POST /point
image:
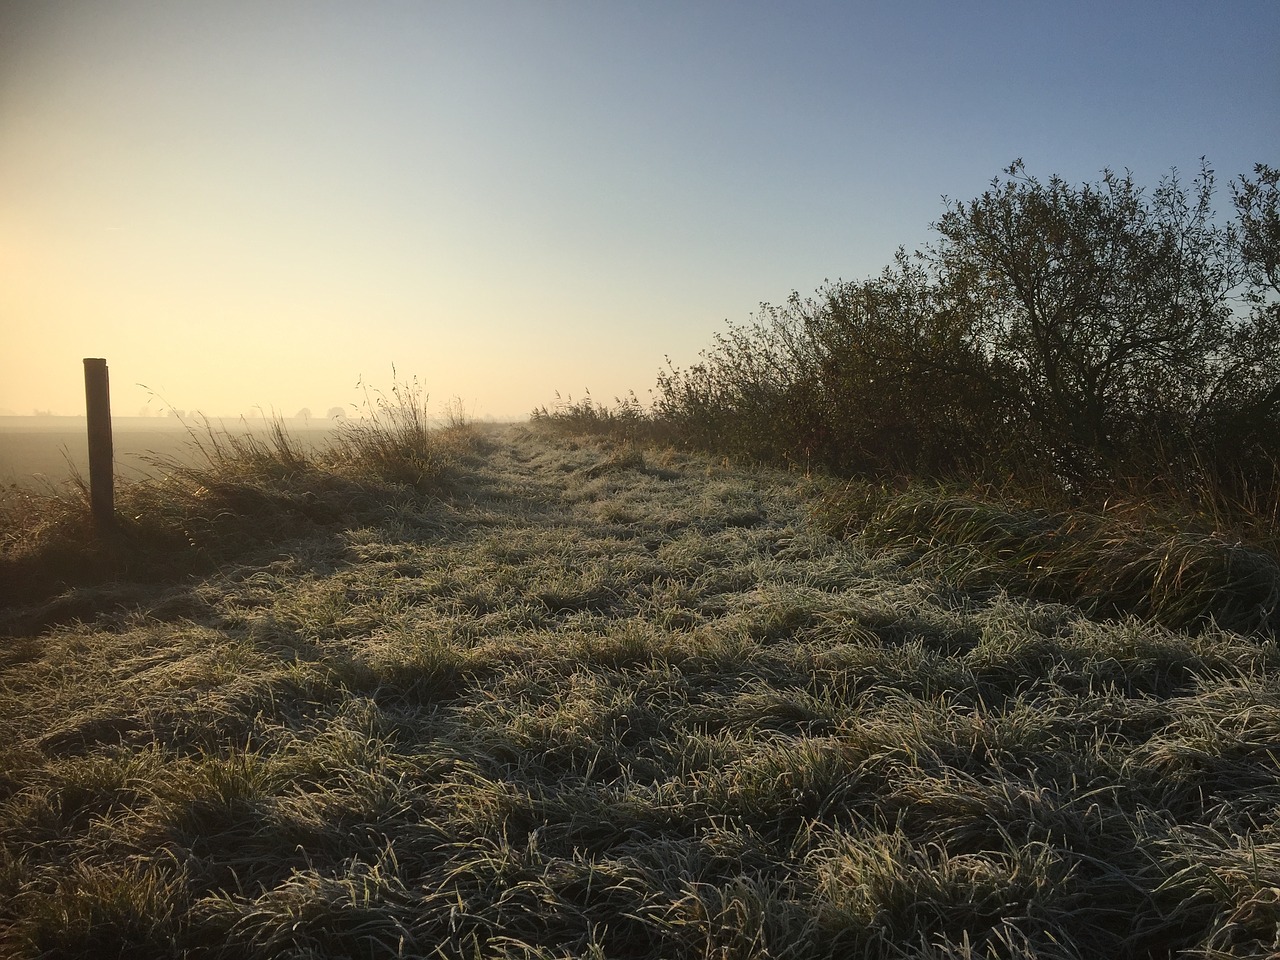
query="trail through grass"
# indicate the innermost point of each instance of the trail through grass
(592, 701)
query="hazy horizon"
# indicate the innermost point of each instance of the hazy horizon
(246, 206)
(181, 419)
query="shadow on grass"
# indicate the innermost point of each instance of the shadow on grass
(244, 497)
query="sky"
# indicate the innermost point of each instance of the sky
(252, 207)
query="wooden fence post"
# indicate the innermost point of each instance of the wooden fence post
(97, 396)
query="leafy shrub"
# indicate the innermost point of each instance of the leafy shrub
(1074, 336)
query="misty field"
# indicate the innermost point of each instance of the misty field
(518, 693)
(42, 452)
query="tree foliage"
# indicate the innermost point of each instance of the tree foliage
(1089, 330)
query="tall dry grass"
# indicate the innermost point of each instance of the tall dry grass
(233, 494)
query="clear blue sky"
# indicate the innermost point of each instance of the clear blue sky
(254, 204)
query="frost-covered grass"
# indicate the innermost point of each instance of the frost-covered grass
(232, 496)
(1131, 557)
(592, 700)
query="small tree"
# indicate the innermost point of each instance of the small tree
(1242, 417)
(902, 382)
(1257, 205)
(1110, 310)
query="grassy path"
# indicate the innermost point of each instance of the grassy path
(605, 703)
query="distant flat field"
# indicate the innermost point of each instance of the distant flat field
(39, 451)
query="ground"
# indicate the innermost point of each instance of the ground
(605, 701)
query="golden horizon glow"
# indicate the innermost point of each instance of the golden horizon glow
(246, 206)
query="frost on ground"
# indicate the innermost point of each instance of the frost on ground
(608, 702)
